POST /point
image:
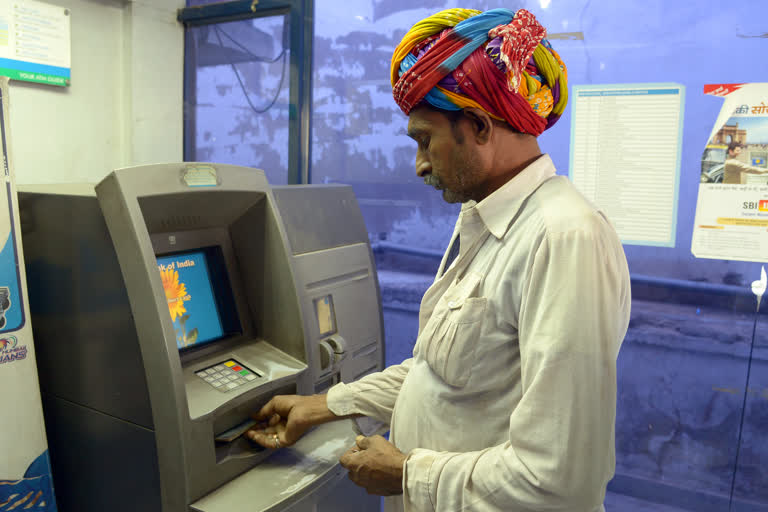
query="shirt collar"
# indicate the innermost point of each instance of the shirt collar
(498, 209)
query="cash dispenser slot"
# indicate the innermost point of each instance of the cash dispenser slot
(288, 475)
(237, 448)
(229, 429)
(228, 438)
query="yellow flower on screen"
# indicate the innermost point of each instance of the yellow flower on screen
(174, 293)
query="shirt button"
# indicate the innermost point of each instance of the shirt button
(452, 304)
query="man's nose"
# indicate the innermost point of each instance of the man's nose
(423, 165)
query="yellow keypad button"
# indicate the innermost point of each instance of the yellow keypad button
(230, 364)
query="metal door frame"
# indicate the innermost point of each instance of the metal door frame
(301, 19)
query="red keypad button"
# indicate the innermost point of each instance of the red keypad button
(237, 368)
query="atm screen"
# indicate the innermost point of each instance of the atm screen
(199, 296)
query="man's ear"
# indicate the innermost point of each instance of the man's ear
(481, 124)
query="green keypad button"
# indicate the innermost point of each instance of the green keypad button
(244, 372)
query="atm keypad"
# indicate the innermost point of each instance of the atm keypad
(227, 375)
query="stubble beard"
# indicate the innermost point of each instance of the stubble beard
(452, 197)
(466, 173)
(449, 196)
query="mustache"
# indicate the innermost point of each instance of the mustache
(433, 181)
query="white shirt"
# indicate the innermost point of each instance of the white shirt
(509, 400)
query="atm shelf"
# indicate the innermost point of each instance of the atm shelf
(289, 475)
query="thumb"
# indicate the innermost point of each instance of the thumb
(287, 438)
(266, 412)
(363, 442)
(292, 432)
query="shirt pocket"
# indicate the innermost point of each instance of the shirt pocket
(448, 344)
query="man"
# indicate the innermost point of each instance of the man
(736, 171)
(508, 403)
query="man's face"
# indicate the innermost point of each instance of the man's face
(446, 157)
(735, 151)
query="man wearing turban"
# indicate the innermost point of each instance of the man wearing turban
(509, 400)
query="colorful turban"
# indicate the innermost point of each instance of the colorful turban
(497, 60)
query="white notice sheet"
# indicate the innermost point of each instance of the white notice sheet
(625, 156)
(35, 42)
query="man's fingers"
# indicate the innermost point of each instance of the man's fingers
(266, 438)
(261, 438)
(280, 404)
(363, 442)
(344, 460)
(266, 412)
(352, 476)
(290, 435)
(349, 457)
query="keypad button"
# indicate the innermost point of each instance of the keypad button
(227, 375)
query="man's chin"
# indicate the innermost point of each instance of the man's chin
(452, 197)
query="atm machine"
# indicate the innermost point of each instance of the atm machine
(172, 301)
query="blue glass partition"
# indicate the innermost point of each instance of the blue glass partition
(693, 386)
(681, 420)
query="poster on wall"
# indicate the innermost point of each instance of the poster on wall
(25, 474)
(35, 42)
(732, 208)
(625, 156)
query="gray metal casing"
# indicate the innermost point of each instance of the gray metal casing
(94, 282)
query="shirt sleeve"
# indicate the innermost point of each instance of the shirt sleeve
(374, 395)
(560, 453)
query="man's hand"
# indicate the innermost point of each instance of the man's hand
(375, 464)
(288, 417)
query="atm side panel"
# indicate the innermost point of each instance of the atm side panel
(341, 296)
(100, 462)
(332, 260)
(85, 337)
(95, 397)
(339, 293)
(320, 217)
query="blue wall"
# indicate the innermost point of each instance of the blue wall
(684, 363)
